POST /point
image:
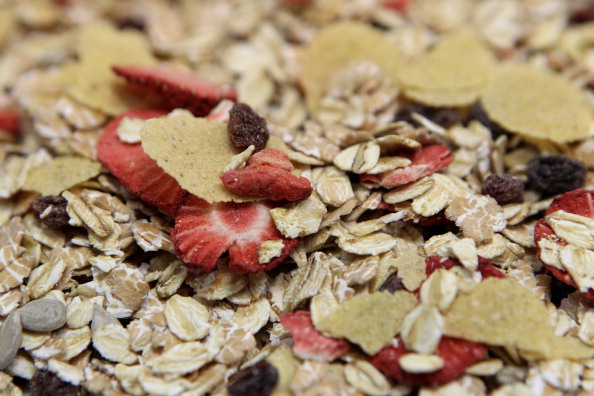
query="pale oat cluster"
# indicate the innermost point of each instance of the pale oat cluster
(108, 306)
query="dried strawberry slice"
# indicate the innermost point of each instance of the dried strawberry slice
(457, 356)
(425, 161)
(309, 343)
(179, 88)
(10, 120)
(138, 172)
(580, 202)
(268, 174)
(487, 270)
(203, 232)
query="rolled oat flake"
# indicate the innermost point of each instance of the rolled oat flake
(43, 315)
(11, 336)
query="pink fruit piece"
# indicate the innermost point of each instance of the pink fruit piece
(487, 270)
(580, 202)
(10, 120)
(268, 174)
(138, 172)
(309, 343)
(181, 89)
(203, 232)
(457, 356)
(425, 161)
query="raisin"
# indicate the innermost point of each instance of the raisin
(57, 218)
(504, 189)
(246, 128)
(584, 14)
(445, 117)
(259, 379)
(555, 174)
(478, 113)
(45, 383)
(392, 284)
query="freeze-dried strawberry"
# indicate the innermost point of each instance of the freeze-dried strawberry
(247, 128)
(425, 161)
(138, 172)
(203, 232)
(309, 343)
(179, 88)
(268, 174)
(487, 270)
(457, 356)
(10, 120)
(396, 5)
(580, 202)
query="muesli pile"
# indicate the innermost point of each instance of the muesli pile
(297, 197)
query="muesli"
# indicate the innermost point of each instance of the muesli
(297, 197)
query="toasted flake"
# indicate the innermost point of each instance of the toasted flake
(359, 158)
(95, 83)
(453, 73)
(187, 318)
(422, 329)
(239, 160)
(66, 372)
(129, 129)
(524, 99)
(507, 314)
(440, 289)
(60, 174)
(370, 244)
(219, 284)
(15, 266)
(351, 319)
(420, 363)
(150, 237)
(45, 277)
(408, 191)
(574, 229)
(180, 359)
(337, 45)
(486, 367)
(254, 316)
(332, 185)
(300, 218)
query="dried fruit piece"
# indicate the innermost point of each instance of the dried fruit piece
(56, 216)
(259, 379)
(579, 202)
(10, 120)
(309, 343)
(504, 189)
(486, 269)
(525, 99)
(138, 172)
(555, 174)
(46, 383)
(247, 128)
(457, 356)
(392, 284)
(268, 174)
(180, 88)
(203, 232)
(425, 161)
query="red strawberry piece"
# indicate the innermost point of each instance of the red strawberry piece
(457, 355)
(138, 172)
(203, 232)
(309, 343)
(10, 120)
(181, 89)
(268, 174)
(580, 202)
(487, 270)
(425, 161)
(396, 5)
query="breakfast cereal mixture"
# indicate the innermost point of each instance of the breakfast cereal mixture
(297, 197)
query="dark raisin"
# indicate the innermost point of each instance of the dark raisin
(584, 14)
(259, 379)
(57, 218)
(246, 127)
(477, 112)
(443, 116)
(504, 189)
(392, 284)
(45, 383)
(555, 174)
